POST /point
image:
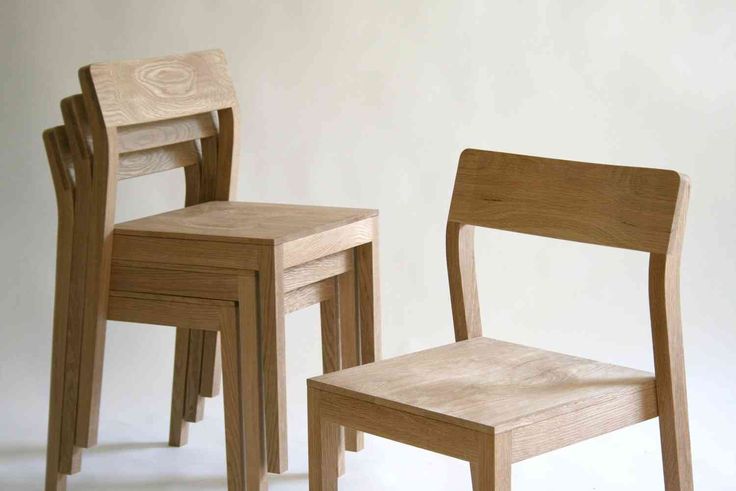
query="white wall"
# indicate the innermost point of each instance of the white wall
(369, 104)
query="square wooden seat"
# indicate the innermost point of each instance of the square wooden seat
(495, 387)
(246, 223)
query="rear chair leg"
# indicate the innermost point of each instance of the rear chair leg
(178, 427)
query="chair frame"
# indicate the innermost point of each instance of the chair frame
(137, 124)
(634, 208)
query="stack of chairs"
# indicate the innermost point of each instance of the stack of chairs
(223, 273)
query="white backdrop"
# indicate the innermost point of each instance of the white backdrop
(369, 104)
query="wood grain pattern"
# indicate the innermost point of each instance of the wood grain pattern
(617, 206)
(317, 270)
(168, 132)
(154, 89)
(182, 282)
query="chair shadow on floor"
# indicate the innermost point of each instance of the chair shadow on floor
(20, 451)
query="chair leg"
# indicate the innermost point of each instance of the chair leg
(366, 261)
(323, 447)
(55, 479)
(349, 343)
(329, 317)
(271, 305)
(178, 426)
(193, 402)
(243, 393)
(492, 471)
(211, 365)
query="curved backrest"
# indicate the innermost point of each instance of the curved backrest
(627, 207)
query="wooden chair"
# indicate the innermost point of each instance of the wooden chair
(493, 403)
(152, 115)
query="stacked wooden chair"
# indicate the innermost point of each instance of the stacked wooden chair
(223, 273)
(493, 403)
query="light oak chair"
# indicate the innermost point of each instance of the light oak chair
(216, 266)
(493, 403)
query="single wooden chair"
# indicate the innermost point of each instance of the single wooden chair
(493, 403)
(193, 268)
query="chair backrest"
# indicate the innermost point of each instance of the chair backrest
(158, 114)
(627, 207)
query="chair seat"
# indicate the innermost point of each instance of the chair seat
(496, 386)
(248, 223)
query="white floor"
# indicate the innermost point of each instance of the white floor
(132, 454)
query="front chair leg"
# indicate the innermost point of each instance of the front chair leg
(271, 305)
(324, 437)
(243, 392)
(492, 471)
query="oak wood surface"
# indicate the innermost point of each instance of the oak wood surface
(308, 295)
(167, 132)
(154, 89)
(486, 384)
(611, 205)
